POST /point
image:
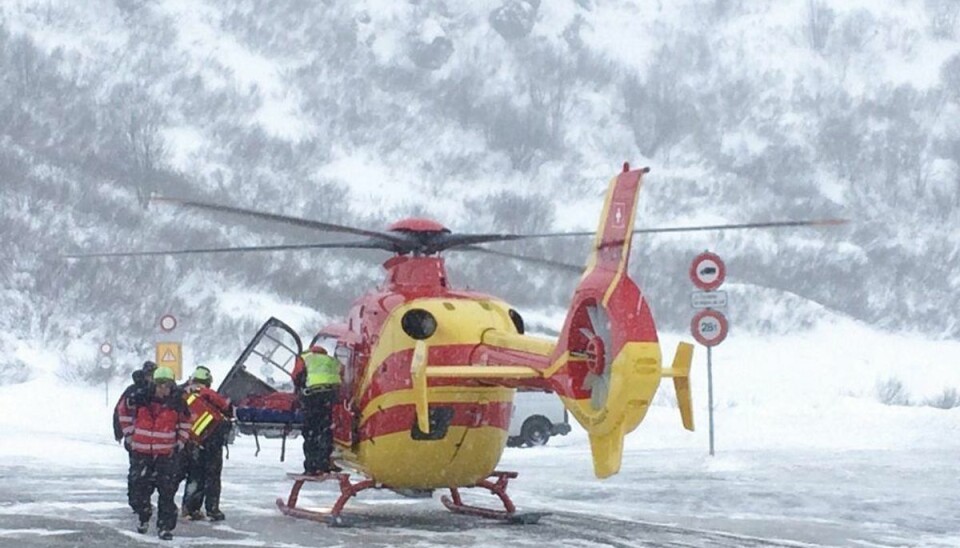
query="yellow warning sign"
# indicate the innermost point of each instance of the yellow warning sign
(169, 354)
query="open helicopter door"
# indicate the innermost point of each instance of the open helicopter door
(260, 383)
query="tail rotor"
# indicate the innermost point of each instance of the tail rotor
(598, 356)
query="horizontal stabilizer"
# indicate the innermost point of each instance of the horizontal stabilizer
(681, 382)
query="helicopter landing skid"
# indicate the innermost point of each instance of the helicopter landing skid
(455, 503)
(332, 516)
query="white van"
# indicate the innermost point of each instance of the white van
(536, 416)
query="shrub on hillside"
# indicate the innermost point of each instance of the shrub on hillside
(948, 399)
(892, 392)
(13, 372)
(91, 371)
(515, 18)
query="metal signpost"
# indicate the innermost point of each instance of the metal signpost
(709, 326)
(106, 364)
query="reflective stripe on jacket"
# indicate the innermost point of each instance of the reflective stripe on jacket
(158, 429)
(125, 416)
(321, 369)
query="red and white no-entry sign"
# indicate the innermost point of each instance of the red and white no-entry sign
(106, 348)
(709, 327)
(708, 271)
(168, 322)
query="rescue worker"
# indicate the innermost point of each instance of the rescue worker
(204, 462)
(316, 376)
(123, 422)
(161, 428)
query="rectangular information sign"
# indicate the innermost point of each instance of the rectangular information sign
(708, 299)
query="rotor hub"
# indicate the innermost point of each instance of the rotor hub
(596, 355)
(417, 224)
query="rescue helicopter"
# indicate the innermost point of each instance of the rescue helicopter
(430, 371)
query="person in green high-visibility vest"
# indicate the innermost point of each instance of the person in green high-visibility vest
(316, 376)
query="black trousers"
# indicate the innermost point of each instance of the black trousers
(160, 473)
(317, 429)
(203, 469)
(130, 476)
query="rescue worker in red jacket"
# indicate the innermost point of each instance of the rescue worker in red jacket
(161, 428)
(204, 462)
(316, 377)
(140, 390)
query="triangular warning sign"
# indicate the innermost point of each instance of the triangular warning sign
(168, 357)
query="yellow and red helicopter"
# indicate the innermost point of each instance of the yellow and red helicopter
(430, 371)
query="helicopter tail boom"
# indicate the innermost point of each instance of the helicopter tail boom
(606, 366)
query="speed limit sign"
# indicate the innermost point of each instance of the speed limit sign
(709, 327)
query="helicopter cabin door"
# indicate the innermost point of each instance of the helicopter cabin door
(260, 384)
(345, 415)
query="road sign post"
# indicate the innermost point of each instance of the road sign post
(106, 364)
(710, 393)
(709, 326)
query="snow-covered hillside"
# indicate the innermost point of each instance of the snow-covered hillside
(503, 115)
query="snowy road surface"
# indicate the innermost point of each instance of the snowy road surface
(806, 456)
(661, 498)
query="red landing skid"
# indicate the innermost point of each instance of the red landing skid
(455, 504)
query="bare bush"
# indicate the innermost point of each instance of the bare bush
(892, 392)
(819, 23)
(948, 399)
(91, 370)
(943, 15)
(13, 373)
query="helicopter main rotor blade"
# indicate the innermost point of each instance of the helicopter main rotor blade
(534, 260)
(456, 240)
(296, 221)
(772, 224)
(289, 247)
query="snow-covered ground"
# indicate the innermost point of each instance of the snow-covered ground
(806, 454)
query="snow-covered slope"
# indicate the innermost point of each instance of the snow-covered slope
(490, 116)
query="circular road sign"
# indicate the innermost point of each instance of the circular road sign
(709, 327)
(708, 271)
(168, 322)
(106, 348)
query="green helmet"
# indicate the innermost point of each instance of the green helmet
(163, 373)
(202, 374)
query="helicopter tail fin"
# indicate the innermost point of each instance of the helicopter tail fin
(606, 366)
